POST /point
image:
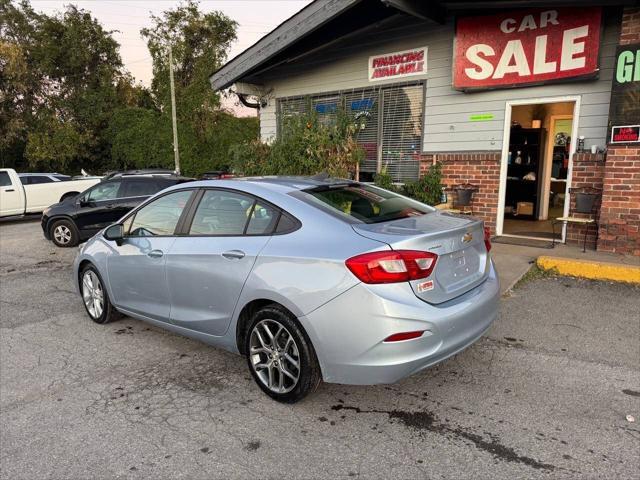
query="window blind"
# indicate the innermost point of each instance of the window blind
(389, 119)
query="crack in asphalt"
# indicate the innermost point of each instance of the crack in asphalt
(427, 421)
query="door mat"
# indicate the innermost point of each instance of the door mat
(523, 242)
(540, 235)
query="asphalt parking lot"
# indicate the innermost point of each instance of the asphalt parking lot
(544, 395)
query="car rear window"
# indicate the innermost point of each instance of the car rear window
(365, 203)
(141, 188)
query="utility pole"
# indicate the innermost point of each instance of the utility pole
(176, 153)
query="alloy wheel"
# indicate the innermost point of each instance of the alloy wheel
(62, 234)
(92, 294)
(274, 355)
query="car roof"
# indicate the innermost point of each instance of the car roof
(31, 174)
(295, 182)
(151, 177)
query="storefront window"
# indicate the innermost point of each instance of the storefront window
(390, 125)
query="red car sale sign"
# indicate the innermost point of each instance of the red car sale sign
(526, 47)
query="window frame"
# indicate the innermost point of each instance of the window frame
(186, 227)
(379, 91)
(84, 197)
(124, 187)
(8, 178)
(131, 215)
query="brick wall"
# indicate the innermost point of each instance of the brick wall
(588, 172)
(620, 212)
(630, 30)
(481, 169)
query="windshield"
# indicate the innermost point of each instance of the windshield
(366, 203)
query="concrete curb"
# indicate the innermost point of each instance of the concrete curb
(591, 269)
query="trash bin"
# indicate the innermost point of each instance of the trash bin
(463, 196)
(584, 202)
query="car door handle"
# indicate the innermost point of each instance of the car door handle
(111, 206)
(155, 253)
(233, 254)
(9, 190)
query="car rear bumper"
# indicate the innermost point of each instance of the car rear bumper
(349, 331)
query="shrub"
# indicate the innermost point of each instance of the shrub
(385, 180)
(428, 188)
(306, 146)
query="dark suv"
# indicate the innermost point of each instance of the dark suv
(78, 218)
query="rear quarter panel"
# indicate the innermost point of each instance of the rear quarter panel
(305, 269)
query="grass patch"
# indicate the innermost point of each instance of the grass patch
(533, 274)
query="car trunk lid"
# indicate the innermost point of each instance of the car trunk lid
(463, 260)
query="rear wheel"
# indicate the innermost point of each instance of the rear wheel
(281, 358)
(95, 297)
(64, 233)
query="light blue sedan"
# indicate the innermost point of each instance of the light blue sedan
(310, 279)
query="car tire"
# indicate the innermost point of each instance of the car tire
(95, 297)
(63, 233)
(275, 343)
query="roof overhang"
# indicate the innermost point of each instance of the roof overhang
(323, 22)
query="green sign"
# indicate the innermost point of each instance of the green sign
(481, 117)
(624, 109)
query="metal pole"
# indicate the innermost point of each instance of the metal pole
(176, 154)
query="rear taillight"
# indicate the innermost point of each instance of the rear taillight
(487, 238)
(392, 266)
(401, 337)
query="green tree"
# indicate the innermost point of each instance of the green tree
(61, 81)
(200, 42)
(66, 101)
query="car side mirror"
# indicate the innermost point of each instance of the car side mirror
(115, 232)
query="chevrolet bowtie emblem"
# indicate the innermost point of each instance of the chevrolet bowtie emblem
(467, 237)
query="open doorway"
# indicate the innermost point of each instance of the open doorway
(536, 169)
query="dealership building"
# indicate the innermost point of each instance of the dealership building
(534, 106)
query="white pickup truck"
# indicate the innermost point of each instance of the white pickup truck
(18, 199)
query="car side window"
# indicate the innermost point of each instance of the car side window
(35, 179)
(161, 216)
(221, 212)
(103, 191)
(140, 188)
(5, 180)
(262, 220)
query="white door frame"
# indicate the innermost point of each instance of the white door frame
(502, 187)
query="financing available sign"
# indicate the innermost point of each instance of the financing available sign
(389, 66)
(526, 47)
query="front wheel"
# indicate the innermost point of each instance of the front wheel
(95, 297)
(281, 358)
(64, 234)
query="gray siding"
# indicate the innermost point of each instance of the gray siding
(447, 126)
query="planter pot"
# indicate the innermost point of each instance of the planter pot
(584, 202)
(464, 196)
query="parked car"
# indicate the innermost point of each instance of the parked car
(310, 279)
(35, 178)
(216, 175)
(19, 196)
(76, 219)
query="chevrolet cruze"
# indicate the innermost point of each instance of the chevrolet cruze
(310, 278)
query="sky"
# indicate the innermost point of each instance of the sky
(126, 17)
